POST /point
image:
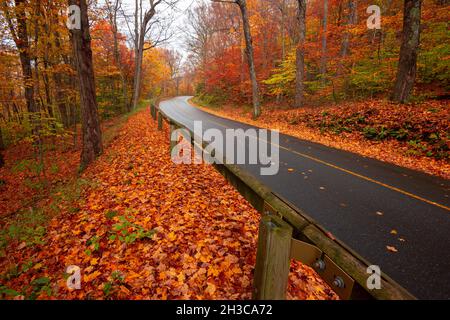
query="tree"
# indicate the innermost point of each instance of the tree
(351, 20)
(92, 145)
(174, 59)
(198, 35)
(323, 60)
(407, 65)
(20, 33)
(144, 21)
(249, 52)
(281, 5)
(300, 54)
(113, 9)
(2, 147)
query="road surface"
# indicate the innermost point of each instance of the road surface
(360, 201)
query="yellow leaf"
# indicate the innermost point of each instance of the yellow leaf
(212, 271)
(391, 249)
(37, 266)
(171, 236)
(210, 289)
(181, 277)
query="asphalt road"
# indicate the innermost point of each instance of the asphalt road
(360, 201)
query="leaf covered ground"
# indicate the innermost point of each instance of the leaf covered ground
(139, 227)
(416, 136)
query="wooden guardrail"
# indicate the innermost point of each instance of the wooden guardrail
(286, 232)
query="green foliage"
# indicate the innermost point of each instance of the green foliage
(424, 137)
(111, 214)
(29, 166)
(38, 286)
(433, 62)
(93, 243)
(373, 75)
(110, 99)
(282, 81)
(209, 100)
(128, 232)
(30, 292)
(28, 227)
(68, 193)
(111, 286)
(7, 292)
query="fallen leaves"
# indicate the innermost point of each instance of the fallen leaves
(171, 236)
(148, 229)
(412, 136)
(210, 289)
(391, 249)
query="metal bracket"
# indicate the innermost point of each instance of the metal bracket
(312, 256)
(305, 252)
(338, 280)
(329, 271)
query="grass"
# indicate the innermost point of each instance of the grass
(209, 104)
(112, 132)
(29, 225)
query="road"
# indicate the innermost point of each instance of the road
(360, 201)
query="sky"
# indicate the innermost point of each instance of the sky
(180, 17)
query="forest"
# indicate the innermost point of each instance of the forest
(86, 178)
(343, 58)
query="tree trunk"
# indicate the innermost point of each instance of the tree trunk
(117, 59)
(407, 65)
(283, 30)
(22, 43)
(136, 55)
(2, 147)
(139, 43)
(138, 69)
(300, 54)
(323, 60)
(59, 86)
(251, 63)
(352, 16)
(91, 134)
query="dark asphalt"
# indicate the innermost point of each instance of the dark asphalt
(343, 192)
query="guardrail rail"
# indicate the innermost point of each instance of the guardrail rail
(286, 232)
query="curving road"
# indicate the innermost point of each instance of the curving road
(360, 201)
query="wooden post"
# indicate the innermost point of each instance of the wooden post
(272, 259)
(172, 143)
(160, 121)
(153, 111)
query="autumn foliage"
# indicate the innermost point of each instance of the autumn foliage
(413, 136)
(145, 228)
(354, 62)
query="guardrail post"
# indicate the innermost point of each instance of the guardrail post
(272, 259)
(172, 143)
(160, 121)
(153, 111)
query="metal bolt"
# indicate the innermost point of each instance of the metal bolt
(319, 265)
(338, 282)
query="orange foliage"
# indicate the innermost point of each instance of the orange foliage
(203, 247)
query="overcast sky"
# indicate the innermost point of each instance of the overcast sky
(179, 14)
